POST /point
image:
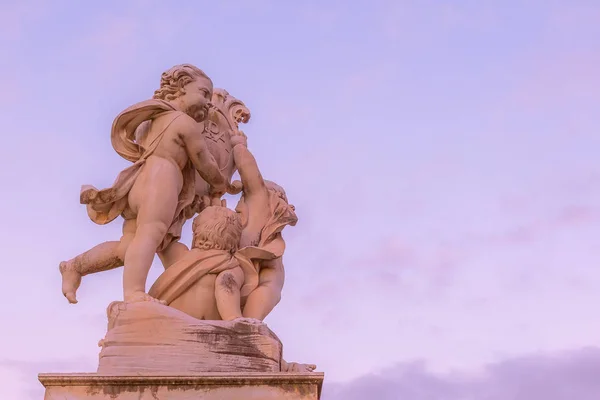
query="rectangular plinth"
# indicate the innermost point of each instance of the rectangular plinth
(209, 386)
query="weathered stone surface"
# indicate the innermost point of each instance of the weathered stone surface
(214, 386)
(148, 337)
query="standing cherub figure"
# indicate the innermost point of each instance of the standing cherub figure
(225, 115)
(264, 212)
(155, 193)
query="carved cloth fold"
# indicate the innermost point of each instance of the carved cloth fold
(103, 206)
(194, 265)
(281, 214)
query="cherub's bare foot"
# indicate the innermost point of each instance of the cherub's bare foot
(139, 296)
(252, 321)
(297, 367)
(71, 279)
(307, 367)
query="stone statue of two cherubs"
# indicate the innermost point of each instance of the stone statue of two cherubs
(185, 146)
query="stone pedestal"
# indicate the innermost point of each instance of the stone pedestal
(151, 338)
(208, 386)
(153, 352)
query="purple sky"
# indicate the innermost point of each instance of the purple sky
(442, 157)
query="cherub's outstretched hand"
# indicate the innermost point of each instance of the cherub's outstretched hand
(238, 137)
(235, 187)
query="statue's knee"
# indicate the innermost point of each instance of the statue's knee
(153, 230)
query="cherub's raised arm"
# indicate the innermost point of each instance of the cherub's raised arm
(245, 162)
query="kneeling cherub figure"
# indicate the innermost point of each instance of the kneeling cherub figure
(209, 279)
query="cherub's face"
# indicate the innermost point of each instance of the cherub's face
(196, 100)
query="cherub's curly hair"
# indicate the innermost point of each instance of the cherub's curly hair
(173, 81)
(217, 228)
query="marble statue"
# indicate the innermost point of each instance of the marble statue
(205, 312)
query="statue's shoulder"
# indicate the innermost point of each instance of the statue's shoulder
(179, 121)
(174, 116)
(150, 107)
(132, 124)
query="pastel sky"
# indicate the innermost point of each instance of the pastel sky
(442, 157)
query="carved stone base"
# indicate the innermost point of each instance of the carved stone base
(151, 338)
(214, 386)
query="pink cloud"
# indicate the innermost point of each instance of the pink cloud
(585, 184)
(516, 236)
(559, 80)
(313, 301)
(565, 218)
(575, 215)
(393, 250)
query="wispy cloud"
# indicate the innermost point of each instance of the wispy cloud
(567, 217)
(561, 376)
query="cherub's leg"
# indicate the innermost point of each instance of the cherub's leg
(153, 220)
(103, 257)
(172, 253)
(227, 293)
(267, 295)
